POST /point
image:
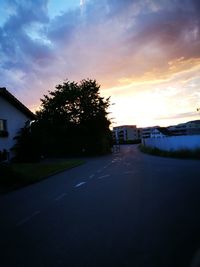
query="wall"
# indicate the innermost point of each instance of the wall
(15, 121)
(132, 133)
(174, 142)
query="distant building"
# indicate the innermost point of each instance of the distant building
(126, 134)
(188, 128)
(132, 134)
(159, 132)
(13, 116)
(147, 132)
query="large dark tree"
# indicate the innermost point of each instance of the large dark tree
(73, 119)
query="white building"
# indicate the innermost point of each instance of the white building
(147, 132)
(160, 132)
(156, 133)
(13, 116)
(176, 137)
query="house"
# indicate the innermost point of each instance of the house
(126, 134)
(160, 132)
(13, 116)
(148, 131)
(176, 137)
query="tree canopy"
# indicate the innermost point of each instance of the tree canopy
(73, 119)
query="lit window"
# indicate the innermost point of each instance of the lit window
(3, 125)
(3, 128)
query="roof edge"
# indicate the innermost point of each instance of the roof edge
(16, 103)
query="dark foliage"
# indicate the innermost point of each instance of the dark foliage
(26, 148)
(8, 177)
(3, 155)
(72, 121)
(4, 133)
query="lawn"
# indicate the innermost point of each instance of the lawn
(19, 174)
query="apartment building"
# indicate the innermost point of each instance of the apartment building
(126, 134)
(188, 128)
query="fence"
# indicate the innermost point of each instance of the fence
(174, 142)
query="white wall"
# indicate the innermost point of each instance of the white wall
(174, 142)
(15, 120)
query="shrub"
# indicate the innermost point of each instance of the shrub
(8, 177)
(181, 153)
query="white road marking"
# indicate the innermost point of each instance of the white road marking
(116, 160)
(60, 197)
(91, 176)
(80, 184)
(104, 176)
(28, 218)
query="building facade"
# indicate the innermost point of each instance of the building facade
(13, 116)
(126, 134)
(188, 128)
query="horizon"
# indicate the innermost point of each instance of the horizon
(144, 54)
(152, 126)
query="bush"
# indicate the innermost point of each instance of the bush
(182, 153)
(8, 177)
(3, 155)
(26, 147)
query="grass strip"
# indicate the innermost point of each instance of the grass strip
(182, 153)
(20, 174)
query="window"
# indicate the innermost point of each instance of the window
(3, 128)
(3, 125)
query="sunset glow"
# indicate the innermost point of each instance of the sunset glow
(145, 54)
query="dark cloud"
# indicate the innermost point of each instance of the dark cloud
(196, 5)
(107, 39)
(19, 49)
(165, 25)
(180, 116)
(62, 27)
(27, 11)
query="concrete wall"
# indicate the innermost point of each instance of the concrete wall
(174, 142)
(15, 121)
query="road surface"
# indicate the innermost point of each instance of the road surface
(125, 209)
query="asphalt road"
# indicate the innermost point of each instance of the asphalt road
(125, 209)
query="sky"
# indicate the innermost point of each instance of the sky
(145, 54)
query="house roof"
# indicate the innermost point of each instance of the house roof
(164, 131)
(16, 103)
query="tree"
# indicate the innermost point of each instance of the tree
(26, 148)
(73, 119)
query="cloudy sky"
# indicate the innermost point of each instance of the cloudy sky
(145, 54)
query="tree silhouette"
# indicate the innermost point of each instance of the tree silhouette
(73, 119)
